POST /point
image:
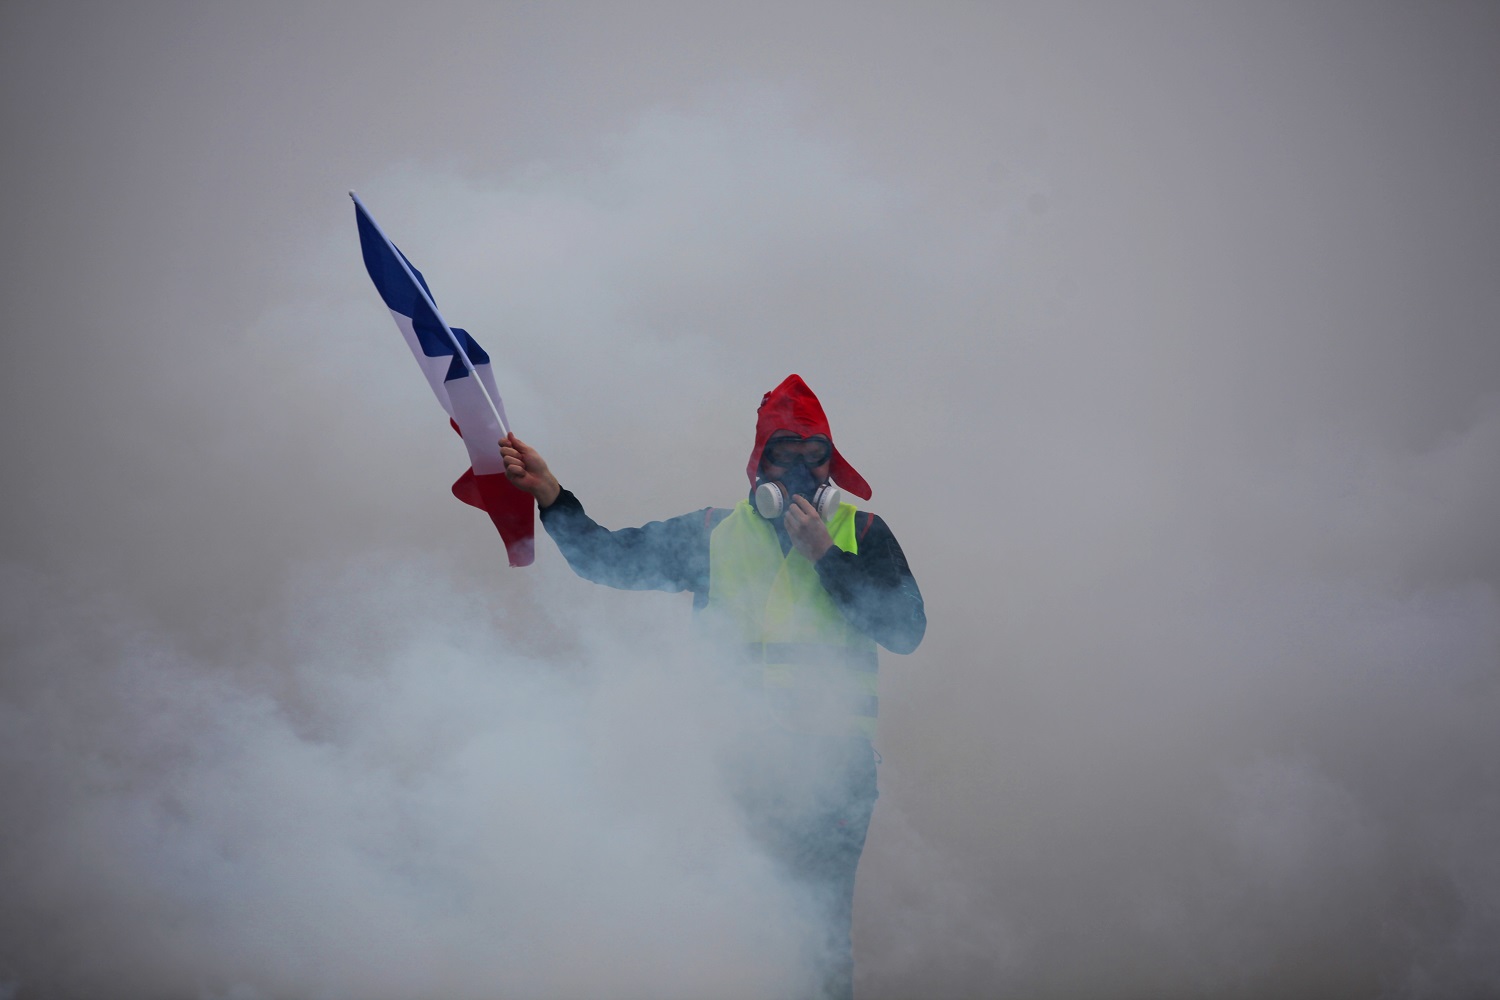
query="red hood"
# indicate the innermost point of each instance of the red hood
(791, 406)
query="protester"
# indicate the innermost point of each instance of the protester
(799, 586)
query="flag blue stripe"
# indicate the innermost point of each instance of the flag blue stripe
(401, 296)
(476, 354)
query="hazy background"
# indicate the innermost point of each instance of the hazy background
(1166, 335)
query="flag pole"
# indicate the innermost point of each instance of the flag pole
(452, 337)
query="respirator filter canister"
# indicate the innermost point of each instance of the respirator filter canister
(773, 498)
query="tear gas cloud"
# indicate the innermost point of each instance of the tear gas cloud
(1164, 335)
(377, 800)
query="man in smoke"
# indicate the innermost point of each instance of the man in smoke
(799, 587)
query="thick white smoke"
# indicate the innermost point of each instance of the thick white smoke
(1164, 336)
(381, 797)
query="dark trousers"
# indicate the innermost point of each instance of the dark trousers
(808, 800)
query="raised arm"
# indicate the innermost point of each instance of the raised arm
(663, 555)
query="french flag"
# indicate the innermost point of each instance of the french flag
(458, 370)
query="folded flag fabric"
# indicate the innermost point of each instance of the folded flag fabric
(459, 372)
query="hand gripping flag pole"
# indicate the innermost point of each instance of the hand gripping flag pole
(458, 370)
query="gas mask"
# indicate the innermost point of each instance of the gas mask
(773, 497)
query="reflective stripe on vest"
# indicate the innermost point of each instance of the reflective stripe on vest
(809, 652)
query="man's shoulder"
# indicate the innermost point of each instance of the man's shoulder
(865, 521)
(712, 517)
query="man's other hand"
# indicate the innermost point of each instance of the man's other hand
(808, 532)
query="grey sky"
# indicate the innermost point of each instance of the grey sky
(1165, 333)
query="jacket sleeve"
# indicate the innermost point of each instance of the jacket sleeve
(875, 589)
(667, 555)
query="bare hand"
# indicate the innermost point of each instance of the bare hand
(808, 532)
(527, 470)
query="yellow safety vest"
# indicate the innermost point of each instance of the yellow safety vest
(819, 671)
